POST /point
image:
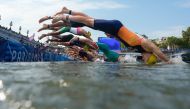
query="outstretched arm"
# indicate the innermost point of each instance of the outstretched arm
(151, 47)
(160, 54)
(59, 42)
(55, 33)
(65, 43)
(45, 18)
(65, 10)
(48, 27)
(55, 18)
(89, 42)
(88, 21)
(81, 31)
(53, 40)
(58, 24)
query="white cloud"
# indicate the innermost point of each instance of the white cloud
(170, 31)
(96, 5)
(26, 13)
(185, 4)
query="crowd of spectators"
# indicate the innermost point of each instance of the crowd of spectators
(9, 33)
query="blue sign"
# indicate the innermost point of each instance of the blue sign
(14, 51)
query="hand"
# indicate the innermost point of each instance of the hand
(48, 40)
(169, 62)
(42, 36)
(44, 19)
(63, 11)
(59, 17)
(94, 46)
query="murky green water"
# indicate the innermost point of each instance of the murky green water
(77, 85)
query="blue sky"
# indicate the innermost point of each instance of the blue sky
(155, 18)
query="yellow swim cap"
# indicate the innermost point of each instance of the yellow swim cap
(86, 48)
(151, 60)
(89, 33)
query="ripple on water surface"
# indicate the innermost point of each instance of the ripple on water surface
(81, 85)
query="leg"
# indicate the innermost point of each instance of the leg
(71, 12)
(108, 26)
(80, 19)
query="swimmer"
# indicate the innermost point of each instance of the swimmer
(150, 52)
(61, 29)
(69, 40)
(110, 56)
(84, 54)
(56, 21)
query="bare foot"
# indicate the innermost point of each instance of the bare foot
(44, 19)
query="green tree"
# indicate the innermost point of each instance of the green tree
(171, 41)
(180, 42)
(175, 42)
(163, 45)
(186, 37)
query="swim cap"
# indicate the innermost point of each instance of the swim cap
(89, 33)
(151, 60)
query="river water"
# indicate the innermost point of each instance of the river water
(83, 85)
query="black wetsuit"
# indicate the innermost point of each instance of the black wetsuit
(76, 24)
(112, 27)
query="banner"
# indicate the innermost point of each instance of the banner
(13, 51)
